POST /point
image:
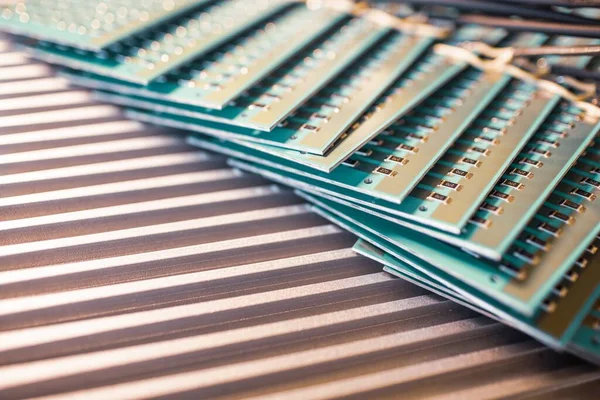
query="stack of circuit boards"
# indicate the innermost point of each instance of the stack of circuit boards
(472, 182)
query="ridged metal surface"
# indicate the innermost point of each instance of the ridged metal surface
(133, 266)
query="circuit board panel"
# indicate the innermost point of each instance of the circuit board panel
(491, 279)
(89, 24)
(149, 55)
(566, 326)
(268, 102)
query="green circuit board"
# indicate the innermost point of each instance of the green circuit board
(429, 73)
(571, 324)
(495, 221)
(523, 295)
(271, 100)
(378, 168)
(549, 241)
(418, 147)
(88, 24)
(554, 146)
(420, 208)
(415, 209)
(586, 339)
(492, 231)
(510, 272)
(324, 118)
(403, 269)
(279, 29)
(520, 192)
